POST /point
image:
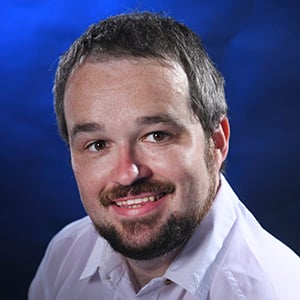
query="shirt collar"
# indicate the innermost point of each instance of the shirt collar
(93, 262)
(104, 260)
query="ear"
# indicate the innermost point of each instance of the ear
(220, 139)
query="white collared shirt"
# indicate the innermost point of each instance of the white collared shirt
(230, 256)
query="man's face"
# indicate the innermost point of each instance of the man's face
(145, 171)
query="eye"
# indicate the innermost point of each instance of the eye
(157, 137)
(96, 146)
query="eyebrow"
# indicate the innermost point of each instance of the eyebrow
(161, 118)
(86, 127)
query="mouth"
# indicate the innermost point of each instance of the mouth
(138, 202)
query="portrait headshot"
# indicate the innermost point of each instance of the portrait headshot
(165, 165)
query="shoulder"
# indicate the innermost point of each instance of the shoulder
(65, 259)
(253, 264)
(70, 240)
(257, 265)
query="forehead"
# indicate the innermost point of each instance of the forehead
(111, 69)
(137, 83)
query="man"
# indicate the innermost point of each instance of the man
(143, 111)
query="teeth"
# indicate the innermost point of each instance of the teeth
(152, 198)
(135, 203)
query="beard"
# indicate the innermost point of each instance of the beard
(133, 241)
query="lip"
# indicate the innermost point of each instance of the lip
(144, 209)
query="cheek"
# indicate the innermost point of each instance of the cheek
(89, 185)
(188, 170)
(186, 163)
(89, 179)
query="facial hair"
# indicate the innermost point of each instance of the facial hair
(176, 231)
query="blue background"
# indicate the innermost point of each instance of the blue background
(255, 44)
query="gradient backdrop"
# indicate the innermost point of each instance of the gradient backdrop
(255, 44)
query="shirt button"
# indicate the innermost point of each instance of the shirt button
(168, 282)
(108, 277)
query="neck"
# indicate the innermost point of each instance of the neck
(142, 271)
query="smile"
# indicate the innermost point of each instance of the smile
(138, 202)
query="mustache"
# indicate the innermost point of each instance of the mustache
(107, 197)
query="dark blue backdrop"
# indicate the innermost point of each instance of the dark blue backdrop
(254, 43)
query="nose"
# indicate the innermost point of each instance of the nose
(129, 168)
